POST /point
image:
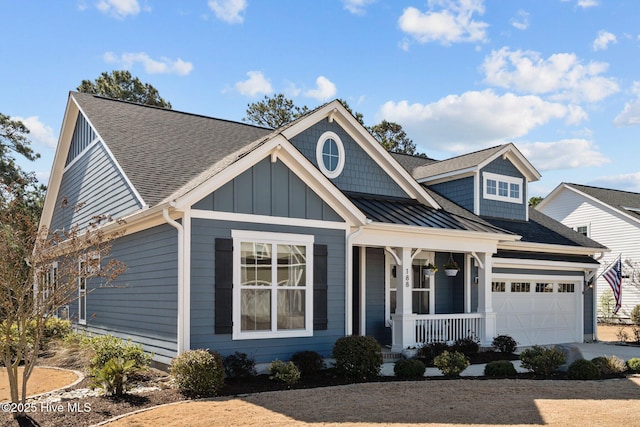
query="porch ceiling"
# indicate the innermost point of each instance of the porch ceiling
(411, 212)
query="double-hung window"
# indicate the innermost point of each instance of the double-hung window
(502, 187)
(272, 292)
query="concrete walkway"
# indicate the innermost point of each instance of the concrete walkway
(588, 351)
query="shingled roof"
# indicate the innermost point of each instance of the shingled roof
(625, 201)
(162, 150)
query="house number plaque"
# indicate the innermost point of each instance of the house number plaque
(407, 280)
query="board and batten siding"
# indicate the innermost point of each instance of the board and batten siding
(375, 296)
(95, 184)
(268, 189)
(361, 174)
(203, 235)
(608, 227)
(142, 303)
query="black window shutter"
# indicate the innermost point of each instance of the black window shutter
(224, 286)
(320, 287)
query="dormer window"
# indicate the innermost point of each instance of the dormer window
(502, 187)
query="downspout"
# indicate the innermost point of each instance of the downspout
(181, 295)
(349, 280)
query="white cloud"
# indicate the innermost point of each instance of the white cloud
(39, 133)
(521, 20)
(562, 76)
(602, 41)
(587, 3)
(623, 182)
(630, 115)
(292, 90)
(254, 85)
(231, 11)
(357, 7)
(563, 154)
(119, 8)
(325, 90)
(152, 66)
(404, 44)
(461, 123)
(452, 23)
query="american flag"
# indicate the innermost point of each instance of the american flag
(613, 275)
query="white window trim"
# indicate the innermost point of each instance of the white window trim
(502, 178)
(240, 236)
(82, 294)
(319, 146)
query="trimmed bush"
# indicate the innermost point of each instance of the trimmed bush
(583, 369)
(541, 360)
(634, 364)
(610, 365)
(409, 368)
(467, 346)
(56, 328)
(431, 350)
(308, 362)
(239, 365)
(504, 344)
(635, 315)
(499, 368)
(451, 363)
(357, 357)
(287, 372)
(107, 347)
(198, 373)
(113, 377)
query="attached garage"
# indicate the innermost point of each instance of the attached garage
(538, 310)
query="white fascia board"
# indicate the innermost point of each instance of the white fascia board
(57, 169)
(279, 149)
(268, 219)
(511, 152)
(336, 111)
(449, 176)
(599, 202)
(535, 264)
(378, 234)
(548, 248)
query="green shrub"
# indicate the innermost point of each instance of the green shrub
(541, 360)
(635, 315)
(56, 328)
(431, 350)
(610, 365)
(198, 373)
(309, 362)
(504, 344)
(634, 364)
(583, 369)
(499, 368)
(107, 347)
(409, 368)
(287, 372)
(357, 357)
(239, 365)
(451, 363)
(467, 346)
(113, 377)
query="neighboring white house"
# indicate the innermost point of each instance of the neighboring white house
(610, 217)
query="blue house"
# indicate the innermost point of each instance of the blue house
(269, 242)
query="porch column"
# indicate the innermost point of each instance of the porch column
(403, 319)
(485, 299)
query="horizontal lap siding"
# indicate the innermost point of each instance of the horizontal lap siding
(204, 233)
(142, 303)
(94, 182)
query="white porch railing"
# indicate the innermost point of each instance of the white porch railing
(448, 327)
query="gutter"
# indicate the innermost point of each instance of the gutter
(182, 294)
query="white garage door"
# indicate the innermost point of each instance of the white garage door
(535, 312)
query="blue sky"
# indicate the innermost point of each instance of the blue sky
(559, 78)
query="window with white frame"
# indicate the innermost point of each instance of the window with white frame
(583, 229)
(502, 187)
(272, 293)
(498, 286)
(82, 292)
(330, 154)
(566, 287)
(544, 287)
(520, 286)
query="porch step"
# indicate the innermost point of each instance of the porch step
(389, 356)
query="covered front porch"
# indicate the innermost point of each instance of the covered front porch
(398, 298)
